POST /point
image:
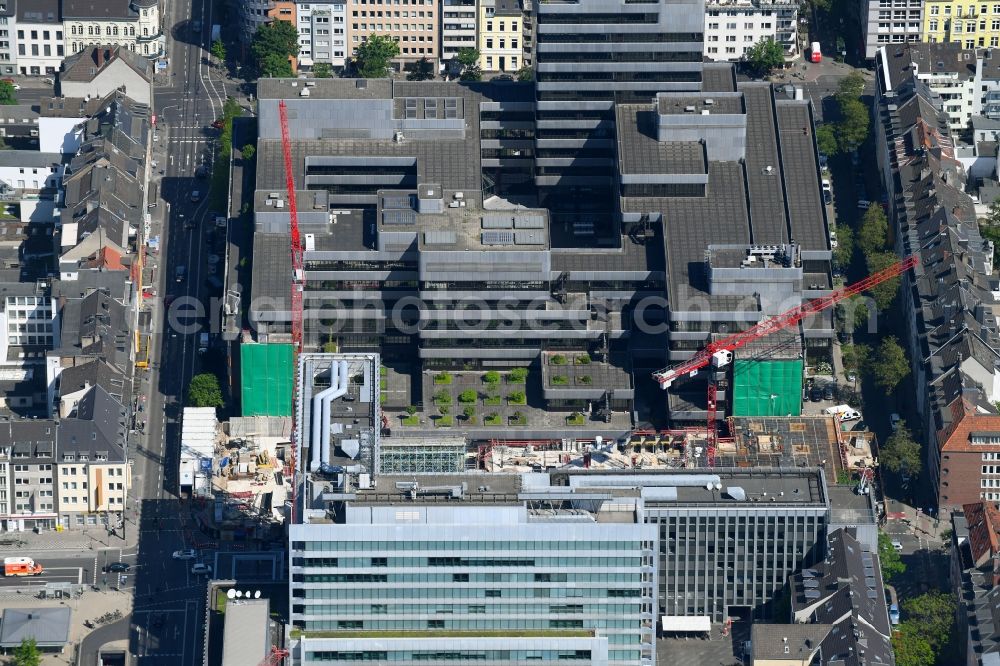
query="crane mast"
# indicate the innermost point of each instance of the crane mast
(720, 353)
(298, 279)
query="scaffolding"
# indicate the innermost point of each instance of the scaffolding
(399, 455)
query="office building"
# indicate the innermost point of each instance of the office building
(388, 175)
(322, 28)
(569, 562)
(733, 26)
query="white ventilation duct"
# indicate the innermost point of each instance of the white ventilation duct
(343, 381)
(320, 411)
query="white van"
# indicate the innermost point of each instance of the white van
(843, 412)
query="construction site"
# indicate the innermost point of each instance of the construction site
(237, 471)
(758, 442)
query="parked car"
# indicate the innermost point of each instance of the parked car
(897, 545)
(180, 273)
(828, 393)
(200, 569)
(827, 186)
(188, 554)
(217, 124)
(864, 204)
(827, 197)
(815, 394)
(894, 421)
(117, 567)
(894, 614)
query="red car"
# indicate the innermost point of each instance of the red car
(217, 124)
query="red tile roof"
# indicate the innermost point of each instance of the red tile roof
(983, 519)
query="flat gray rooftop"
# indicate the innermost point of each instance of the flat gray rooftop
(641, 152)
(479, 489)
(325, 88)
(670, 105)
(272, 269)
(800, 173)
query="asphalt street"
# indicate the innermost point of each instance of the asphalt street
(166, 626)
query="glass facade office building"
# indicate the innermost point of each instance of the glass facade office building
(487, 584)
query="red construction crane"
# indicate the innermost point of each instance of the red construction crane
(298, 278)
(275, 658)
(720, 353)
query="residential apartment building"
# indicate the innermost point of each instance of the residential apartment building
(32, 445)
(947, 299)
(975, 552)
(458, 27)
(133, 24)
(952, 72)
(733, 26)
(98, 71)
(570, 564)
(970, 24)
(414, 24)
(886, 22)
(8, 32)
(838, 605)
(501, 26)
(322, 28)
(40, 44)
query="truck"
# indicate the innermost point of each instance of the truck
(21, 566)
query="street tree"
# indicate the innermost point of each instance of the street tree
(885, 292)
(7, 94)
(27, 653)
(934, 613)
(204, 391)
(526, 73)
(911, 646)
(275, 66)
(467, 57)
(421, 70)
(248, 151)
(873, 235)
(764, 57)
(322, 70)
(826, 140)
(900, 452)
(219, 50)
(888, 557)
(844, 252)
(274, 43)
(855, 357)
(851, 86)
(889, 365)
(852, 130)
(375, 56)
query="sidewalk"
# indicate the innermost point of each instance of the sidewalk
(94, 537)
(87, 607)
